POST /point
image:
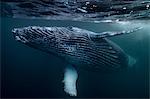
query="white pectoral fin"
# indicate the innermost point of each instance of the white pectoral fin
(70, 78)
(110, 34)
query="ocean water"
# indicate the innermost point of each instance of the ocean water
(30, 73)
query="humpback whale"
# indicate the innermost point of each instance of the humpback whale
(80, 48)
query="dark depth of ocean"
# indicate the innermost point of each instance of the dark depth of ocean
(30, 73)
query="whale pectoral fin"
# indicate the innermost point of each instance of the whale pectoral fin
(110, 34)
(70, 78)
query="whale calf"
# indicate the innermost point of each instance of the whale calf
(80, 48)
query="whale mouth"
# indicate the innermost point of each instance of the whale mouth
(18, 36)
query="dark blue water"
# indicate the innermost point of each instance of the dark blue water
(30, 73)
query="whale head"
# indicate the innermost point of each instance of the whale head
(34, 36)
